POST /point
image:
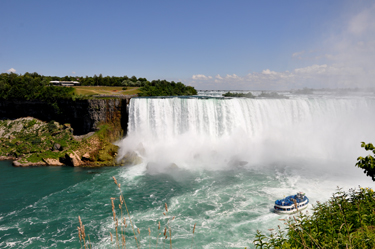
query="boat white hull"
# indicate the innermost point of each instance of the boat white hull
(290, 209)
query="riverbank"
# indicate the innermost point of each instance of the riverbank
(31, 142)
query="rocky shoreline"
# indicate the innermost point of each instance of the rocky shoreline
(31, 142)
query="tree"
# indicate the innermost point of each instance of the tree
(367, 163)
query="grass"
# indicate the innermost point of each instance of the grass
(120, 223)
(105, 90)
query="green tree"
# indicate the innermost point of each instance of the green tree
(367, 163)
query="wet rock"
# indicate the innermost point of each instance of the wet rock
(173, 166)
(131, 158)
(52, 162)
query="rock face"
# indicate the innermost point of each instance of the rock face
(52, 162)
(31, 142)
(86, 156)
(56, 146)
(131, 158)
(28, 164)
(73, 159)
(83, 115)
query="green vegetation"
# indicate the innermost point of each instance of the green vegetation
(367, 163)
(29, 140)
(347, 220)
(165, 88)
(272, 95)
(247, 95)
(107, 80)
(32, 140)
(30, 87)
(268, 95)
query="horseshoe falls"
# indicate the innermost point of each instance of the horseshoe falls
(217, 163)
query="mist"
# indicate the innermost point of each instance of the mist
(226, 134)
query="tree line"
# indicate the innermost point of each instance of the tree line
(31, 86)
(165, 88)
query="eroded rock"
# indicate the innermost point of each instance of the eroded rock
(86, 156)
(73, 159)
(28, 164)
(52, 162)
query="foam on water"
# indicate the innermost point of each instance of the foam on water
(269, 148)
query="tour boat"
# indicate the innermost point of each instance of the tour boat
(291, 204)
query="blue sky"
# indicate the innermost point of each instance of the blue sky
(255, 45)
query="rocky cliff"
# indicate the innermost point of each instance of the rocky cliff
(31, 142)
(83, 115)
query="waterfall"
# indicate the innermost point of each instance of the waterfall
(217, 133)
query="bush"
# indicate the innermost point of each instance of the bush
(165, 88)
(247, 95)
(367, 163)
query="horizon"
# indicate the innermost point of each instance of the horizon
(208, 45)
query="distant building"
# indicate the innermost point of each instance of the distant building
(65, 83)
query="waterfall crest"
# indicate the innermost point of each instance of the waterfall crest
(215, 133)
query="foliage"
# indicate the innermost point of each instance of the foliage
(30, 87)
(247, 95)
(165, 88)
(99, 80)
(272, 95)
(32, 140)
(367, 163)
(347, 220)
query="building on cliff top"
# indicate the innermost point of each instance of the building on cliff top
(65, 83)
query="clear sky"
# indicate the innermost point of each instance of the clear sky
(229, 45)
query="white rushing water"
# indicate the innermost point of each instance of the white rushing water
(245, 153)
(216, 133)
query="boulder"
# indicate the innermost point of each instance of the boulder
(73, 159)
(86, 156)
(25, 164)
(17, 164)
(57, 146)
(52, 162)
(131, 158)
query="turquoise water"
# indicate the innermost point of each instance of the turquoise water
(40, 205)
